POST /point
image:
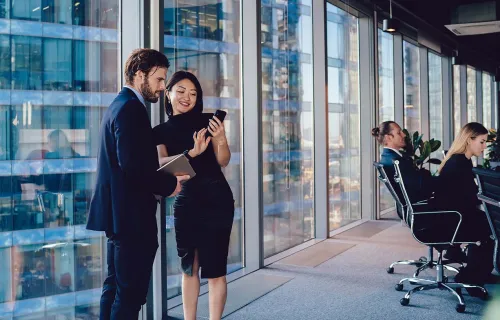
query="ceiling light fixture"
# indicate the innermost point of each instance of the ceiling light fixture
(390, 25)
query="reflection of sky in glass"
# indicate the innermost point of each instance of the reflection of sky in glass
(287, 123)
(343, 117)
(386, 76)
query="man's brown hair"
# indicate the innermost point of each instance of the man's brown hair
(144, 60)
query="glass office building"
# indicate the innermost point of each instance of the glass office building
(60, 67)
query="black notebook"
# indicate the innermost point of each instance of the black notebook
(178, 166)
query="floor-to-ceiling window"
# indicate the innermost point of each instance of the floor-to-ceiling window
(287, 124)
(411, 65)
(343, 117)
(457, 112)
(58, 73)
(386, 96)
(203, 38)
(487, 103)
(471, 95)
(435, 104)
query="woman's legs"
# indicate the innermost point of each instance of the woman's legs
(217, 294)
(191, 290)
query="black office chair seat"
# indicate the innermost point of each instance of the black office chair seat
(422, 263)
(437, 229)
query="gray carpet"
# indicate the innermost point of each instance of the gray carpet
(240, 293)
(354, 284)
(317, 254)
(365, 230)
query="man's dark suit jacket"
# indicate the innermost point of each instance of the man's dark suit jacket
(123, 203)
(419, 184)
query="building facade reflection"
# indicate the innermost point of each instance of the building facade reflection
(58, 72)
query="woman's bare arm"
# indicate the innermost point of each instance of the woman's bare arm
(162, 154)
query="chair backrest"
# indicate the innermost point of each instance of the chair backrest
(399, 180)
(489, 194)
(382, 176)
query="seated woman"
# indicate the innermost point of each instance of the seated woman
(458, 191)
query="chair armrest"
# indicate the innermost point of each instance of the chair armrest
(488, 200)
(420, 203)
(440, 214)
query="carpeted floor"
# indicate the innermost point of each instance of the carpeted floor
(352, 284)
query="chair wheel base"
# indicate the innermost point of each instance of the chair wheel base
(399, 287)
(404, 301)
(460, 308)
(390, 270)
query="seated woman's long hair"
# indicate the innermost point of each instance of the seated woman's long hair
(470, 131)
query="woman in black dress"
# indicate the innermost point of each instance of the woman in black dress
(204, 209)
(458, 191)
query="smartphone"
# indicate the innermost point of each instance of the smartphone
(221, 115)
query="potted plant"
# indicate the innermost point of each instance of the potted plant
(492, 159)
(414, 143)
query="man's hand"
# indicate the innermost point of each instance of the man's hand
(178, 189)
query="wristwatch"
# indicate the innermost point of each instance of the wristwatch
(186, 154)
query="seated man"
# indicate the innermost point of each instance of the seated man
(418, 183)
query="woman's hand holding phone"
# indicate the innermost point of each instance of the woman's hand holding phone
(217, 130)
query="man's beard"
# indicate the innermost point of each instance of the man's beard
(148, 94)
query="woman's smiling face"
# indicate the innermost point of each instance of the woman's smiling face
(183, 96)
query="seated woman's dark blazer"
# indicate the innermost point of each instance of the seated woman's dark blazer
(458, 191)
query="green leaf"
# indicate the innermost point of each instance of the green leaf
(426, 150)
(417, 144)
(435, 145)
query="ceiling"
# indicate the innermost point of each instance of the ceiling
(435, 14)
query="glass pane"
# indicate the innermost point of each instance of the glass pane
(26, 10)
(50, 266)
(203, 37)
(287, 124)
(411, 87)
(471, 95)
(487, 115)
(26, 55)
(5, 62)
(57, 65)
(386, 76)
(4, 9)
(86, 13)
(386, 97)
(343, 118)
(56, 11)
(435, 105)
(457, 113)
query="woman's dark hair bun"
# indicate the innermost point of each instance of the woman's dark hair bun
(375, 132)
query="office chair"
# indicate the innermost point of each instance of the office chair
(436, 229)
(423, 262)
(489, 193)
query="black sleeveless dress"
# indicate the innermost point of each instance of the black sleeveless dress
(204, 209)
